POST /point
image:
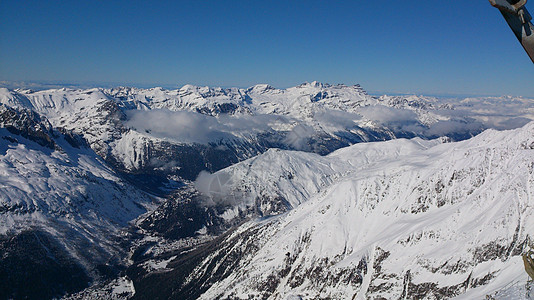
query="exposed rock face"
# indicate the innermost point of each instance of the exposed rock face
(27, 124)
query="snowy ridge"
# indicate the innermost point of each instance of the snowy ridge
(440, 220)
(90, 113)
(291, 178)
(259, 99)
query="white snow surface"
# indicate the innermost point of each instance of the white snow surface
(456, 215)
(295, 176)
(130, 127)
(63, 191)
(453, 214)
(194, 114)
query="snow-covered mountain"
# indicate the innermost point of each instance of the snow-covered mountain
(284, 212)
(407, 219)
(175, 134)
(61, 208)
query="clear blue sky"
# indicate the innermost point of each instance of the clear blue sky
(430, 47)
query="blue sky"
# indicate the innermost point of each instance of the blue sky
(424, 47)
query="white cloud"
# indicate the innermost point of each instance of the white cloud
(388, 115)
(217, 188)
(442, 128)
(181, 126)
(192, 127)
(299, 136)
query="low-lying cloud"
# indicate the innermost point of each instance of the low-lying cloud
(217, 188)
(192, 127)
(452, 127)
(181, 126)
(449, 117)
(388, 115)
(499, 113)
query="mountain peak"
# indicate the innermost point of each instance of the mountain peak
(261, 88)
(313, 84)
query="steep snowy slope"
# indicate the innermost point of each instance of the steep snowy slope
(44, 168)
(398, 219)
(89, 113)
(280, 180)
(61, 208)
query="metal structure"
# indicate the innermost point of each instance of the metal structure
(518, 18)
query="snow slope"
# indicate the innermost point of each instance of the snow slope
(292, 177)
(50, 180)
(395, 219)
